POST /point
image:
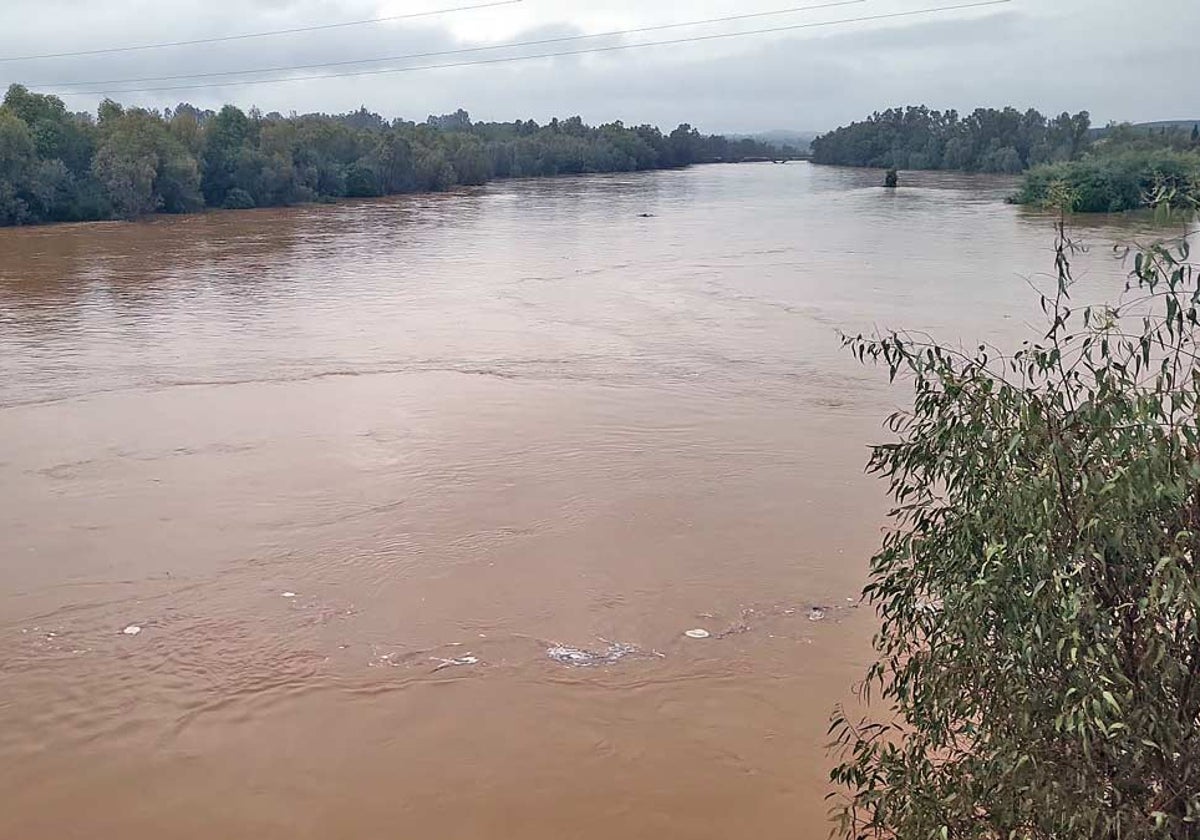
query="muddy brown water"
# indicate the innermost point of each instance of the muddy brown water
(314, 453)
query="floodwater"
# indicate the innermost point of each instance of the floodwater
(320, 455)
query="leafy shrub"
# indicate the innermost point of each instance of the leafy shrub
(1112, 183)
(238, 199)
(1039, 591)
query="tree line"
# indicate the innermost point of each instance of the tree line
(1116, 168)
(986, 140)
(58, 166)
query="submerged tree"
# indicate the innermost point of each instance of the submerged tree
(1039, 591)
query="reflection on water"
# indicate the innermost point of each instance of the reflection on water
(316, 454)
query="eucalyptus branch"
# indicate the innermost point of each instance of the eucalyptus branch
(1039, 647)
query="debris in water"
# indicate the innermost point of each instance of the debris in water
(288, 595)
(454, 663)
(741, 627)
(573, 656)
(698, 633)
(581, 658)
(132, 630)
(816, 614)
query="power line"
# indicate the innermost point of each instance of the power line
(535, 56)
(460, 51)
(269, 34)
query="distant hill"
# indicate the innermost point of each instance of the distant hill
(781, 137)
(1169, 125)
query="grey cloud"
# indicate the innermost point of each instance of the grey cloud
(1115, 59)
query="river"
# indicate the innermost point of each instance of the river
(317, 454)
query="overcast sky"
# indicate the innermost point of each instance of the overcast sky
(1120, 59)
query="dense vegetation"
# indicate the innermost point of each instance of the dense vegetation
(1039, 593)
(1126, 169)
(1121, 167)
(987, 140)
(128, 162)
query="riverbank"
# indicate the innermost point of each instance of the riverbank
(128, 163)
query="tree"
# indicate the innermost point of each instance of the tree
(17, 161)
(143, 167)
(1005, 160)
(460, 120)
(684, 145)
(396, 164)
(186, 128)
(470, 163)
(431, 171)
(225, 137)
(51, 190)
(128, 178)
(1039, 591)
(57, 134)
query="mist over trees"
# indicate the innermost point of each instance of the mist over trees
(58, 166)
